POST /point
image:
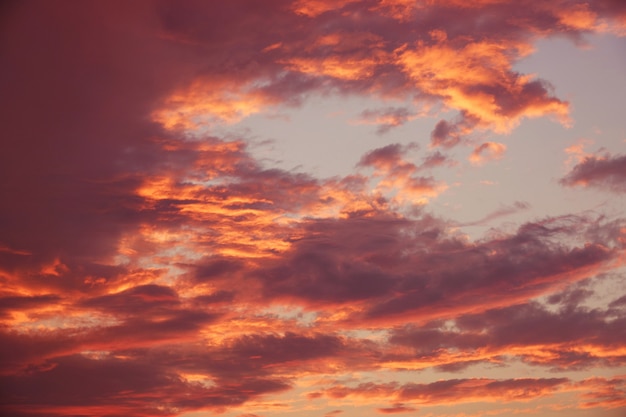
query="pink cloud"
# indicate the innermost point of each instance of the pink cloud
(456, 390)
(486, 152)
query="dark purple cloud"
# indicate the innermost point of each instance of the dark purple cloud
(401, 268)
(21, 303)
(445, 134)
(572, 337)
(608, 172)
(139, 388)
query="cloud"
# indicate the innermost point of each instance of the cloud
(317, 7)
(175, 70)
(273, 349)
(386, 118)
(141, 299)
(572, 337)
(436, 159)
(606, 392)
(475, 78)
(461, 57)
(486, 152)
(21, 303)
(502, 211)
(446, 134)
(187, 377)
(396, 269)
(603, 172)
(399, 175)
(396, 408)
(77, 144)
(455, 390)
(139, 387)
(152, 266)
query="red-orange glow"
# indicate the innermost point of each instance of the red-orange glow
(351, 69)
(446, 70)
(578, 17)
(201, 103)
(313, 8)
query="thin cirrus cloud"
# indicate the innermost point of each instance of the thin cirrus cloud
(386, 118)
(152, 265)
(503, 211)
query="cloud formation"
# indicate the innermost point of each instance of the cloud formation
(605, 172)
(487, 151)
(153, 265)
(463, 60)
(386, 118)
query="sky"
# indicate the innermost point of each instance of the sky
(313, 208)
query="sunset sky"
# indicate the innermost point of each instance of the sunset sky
(313, 208)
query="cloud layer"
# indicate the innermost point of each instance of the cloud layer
(152, 267)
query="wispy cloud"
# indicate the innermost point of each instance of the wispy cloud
(386, 118)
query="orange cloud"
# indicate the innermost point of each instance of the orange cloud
(578, 17)
(604, 392)
(399, 176)
(472, 75)
(204, 103)
(313, 8)
(577, 151)
(461, 74)
(487, 151)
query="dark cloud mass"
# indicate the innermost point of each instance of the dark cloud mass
(153, 265)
